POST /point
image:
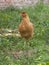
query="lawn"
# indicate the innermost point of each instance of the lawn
(39, 44)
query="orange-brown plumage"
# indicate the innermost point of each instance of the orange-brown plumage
(26, 28)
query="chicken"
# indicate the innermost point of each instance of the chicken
(26, 28)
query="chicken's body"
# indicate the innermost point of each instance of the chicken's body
(26, 27)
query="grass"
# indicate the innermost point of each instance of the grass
(10, 18)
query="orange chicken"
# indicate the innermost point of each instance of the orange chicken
(26, 28)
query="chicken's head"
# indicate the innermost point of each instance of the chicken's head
(23, 14)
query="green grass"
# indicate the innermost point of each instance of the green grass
(10, 18)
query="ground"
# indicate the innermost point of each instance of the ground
(12, 50)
